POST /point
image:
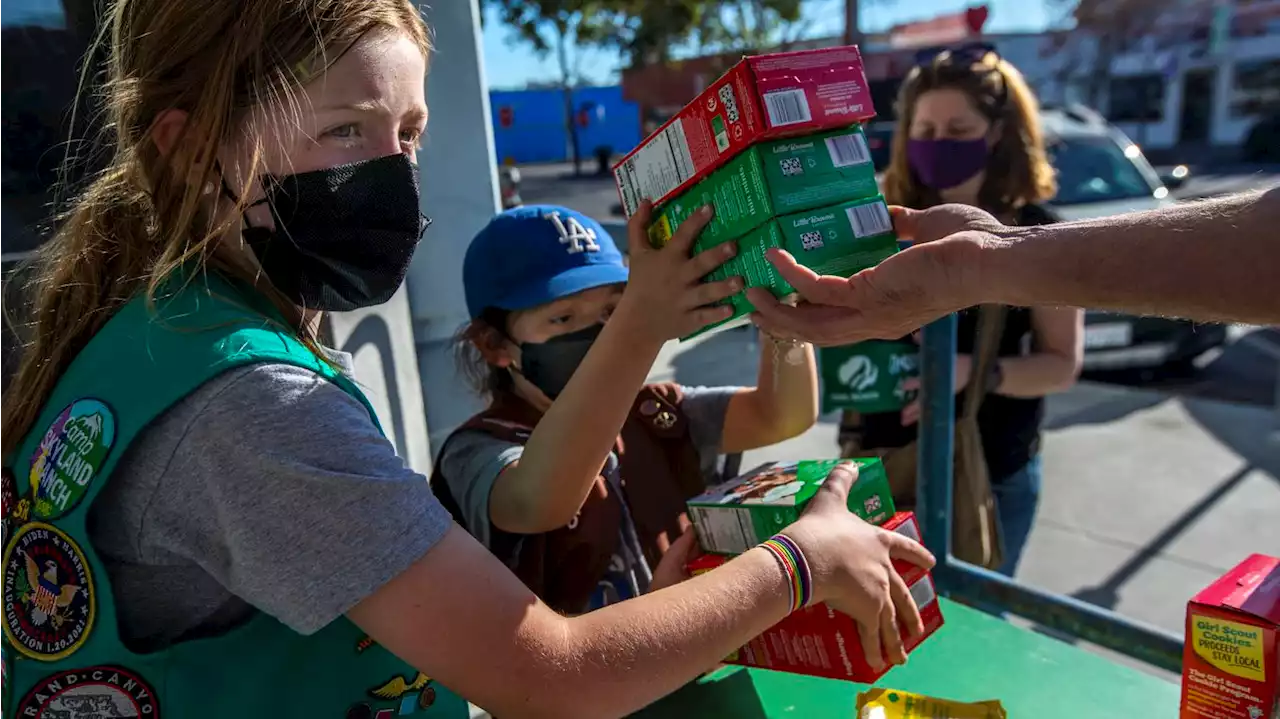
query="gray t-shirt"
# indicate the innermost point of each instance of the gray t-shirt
(471, 461)
(268, 487)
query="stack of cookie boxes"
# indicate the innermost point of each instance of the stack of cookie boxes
(775, 146)
(735, 516)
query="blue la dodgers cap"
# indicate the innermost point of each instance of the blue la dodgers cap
(532, 255)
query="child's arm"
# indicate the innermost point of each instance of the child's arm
(665, 298)
(783, 404)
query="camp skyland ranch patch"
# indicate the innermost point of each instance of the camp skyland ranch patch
(73, 449)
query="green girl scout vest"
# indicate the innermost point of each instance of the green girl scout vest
(63, 657)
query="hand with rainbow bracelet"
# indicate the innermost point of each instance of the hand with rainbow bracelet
(830, 555)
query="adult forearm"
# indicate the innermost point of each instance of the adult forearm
(783, 403)
(1035, 375)
(1211, 260)
(623, 657)
(566, 450)
(787, 387)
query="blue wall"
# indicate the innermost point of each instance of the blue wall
(537, 132)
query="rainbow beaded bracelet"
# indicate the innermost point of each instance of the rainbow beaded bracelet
(793, 563)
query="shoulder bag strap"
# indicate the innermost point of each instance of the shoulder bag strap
(985, 348)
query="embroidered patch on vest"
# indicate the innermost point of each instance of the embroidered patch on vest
(396, 687)
(407, 697)
(72, 451)
(100, 691)
(8, 504)
(48, 593)
(5, 686)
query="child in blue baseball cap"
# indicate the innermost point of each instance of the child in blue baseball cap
(576, 475)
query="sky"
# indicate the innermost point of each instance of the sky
(509, 63)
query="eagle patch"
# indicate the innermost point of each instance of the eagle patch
(48, 593)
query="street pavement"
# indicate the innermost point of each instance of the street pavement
(1148, 494)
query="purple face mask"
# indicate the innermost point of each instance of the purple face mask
(943, 164)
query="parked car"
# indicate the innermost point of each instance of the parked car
(1101, 172)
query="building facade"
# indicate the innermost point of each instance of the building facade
(529, 125)
(1195, 77)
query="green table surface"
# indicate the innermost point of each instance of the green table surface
(972, 657)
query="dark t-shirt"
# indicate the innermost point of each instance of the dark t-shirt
(1010, 426)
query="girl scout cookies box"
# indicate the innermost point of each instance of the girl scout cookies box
(761, 97)
(1232, 653)
(821, 642)
(736, 515)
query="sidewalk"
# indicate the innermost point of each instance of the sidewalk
(1147, 496)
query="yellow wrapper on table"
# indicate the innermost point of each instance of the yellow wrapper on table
(893, 704)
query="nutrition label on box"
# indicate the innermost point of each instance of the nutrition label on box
(725, 530)
(656, 169)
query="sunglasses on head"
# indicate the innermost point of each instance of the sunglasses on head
(966, 54)
(962, 58)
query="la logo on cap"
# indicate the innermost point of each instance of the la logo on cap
(573, 235)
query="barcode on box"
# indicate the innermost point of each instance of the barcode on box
(848, 150)
(868, 220)
(922, 592)
(791, 166)
(811, 240)
(787, 107)
(730, 104)
(661, 165)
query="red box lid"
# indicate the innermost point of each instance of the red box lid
(1251, 587)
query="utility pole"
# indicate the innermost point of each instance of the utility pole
(852, 35)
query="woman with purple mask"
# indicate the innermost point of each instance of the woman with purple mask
(968, 132)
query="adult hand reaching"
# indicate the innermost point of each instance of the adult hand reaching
(937, 275)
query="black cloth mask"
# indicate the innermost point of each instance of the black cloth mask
(549, 365)
(344, 236)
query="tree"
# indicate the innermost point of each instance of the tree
(750, 26)
(645, 33)
(852, 31)
(560, 27)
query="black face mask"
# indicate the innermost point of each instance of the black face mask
(344, 236)
(549, 365)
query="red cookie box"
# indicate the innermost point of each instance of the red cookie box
(1232, 654)
(765, 96)
(819, 641)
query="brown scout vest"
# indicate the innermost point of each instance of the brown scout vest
(659, 468)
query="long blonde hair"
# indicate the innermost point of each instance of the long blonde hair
(148, 214)
(1018, 170)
